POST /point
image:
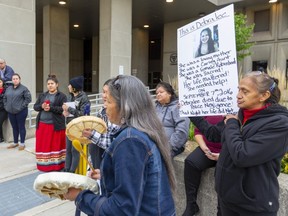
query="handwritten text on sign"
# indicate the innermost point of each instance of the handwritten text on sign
(203, 72)
(215, 17)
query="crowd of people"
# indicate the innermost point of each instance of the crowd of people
(133, 159)
(247, 164)
(137, 176)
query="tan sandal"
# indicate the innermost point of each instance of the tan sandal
(21, 148)
(12, 146)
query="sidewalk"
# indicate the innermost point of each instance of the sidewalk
(17, 197)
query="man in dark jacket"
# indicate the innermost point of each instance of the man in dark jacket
(6, 72)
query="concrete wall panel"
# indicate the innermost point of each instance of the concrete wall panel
(260, 52)
(265, 35)
(21, 57)
(170, 47)
(27, 4)
(140, 41)
(282, 55)
(283, 21)
(17, 24)
(122, 41)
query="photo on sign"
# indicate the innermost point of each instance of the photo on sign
(208, 41)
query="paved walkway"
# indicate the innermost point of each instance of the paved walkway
(17, 197)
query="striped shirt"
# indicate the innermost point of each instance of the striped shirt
(104, 140)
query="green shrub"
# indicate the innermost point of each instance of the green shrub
(284, 164)
(191, 131)
(243, 32)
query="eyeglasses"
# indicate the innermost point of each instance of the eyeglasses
(116, 84)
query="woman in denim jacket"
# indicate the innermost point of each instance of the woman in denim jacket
(136, 171)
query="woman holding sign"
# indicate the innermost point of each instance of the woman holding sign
(50, 128)
(253, 144)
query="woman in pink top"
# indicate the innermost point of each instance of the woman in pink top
(202, 158)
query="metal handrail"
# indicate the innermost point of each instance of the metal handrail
(96, 104)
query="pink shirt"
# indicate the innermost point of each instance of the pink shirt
(214, 147)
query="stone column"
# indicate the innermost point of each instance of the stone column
(140, 62)
(95, 66)
(56, 45)
(115, 39)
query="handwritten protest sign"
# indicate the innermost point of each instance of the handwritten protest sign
(207, 66)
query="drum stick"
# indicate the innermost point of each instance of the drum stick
(77, 145)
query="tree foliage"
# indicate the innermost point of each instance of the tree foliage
(243, 33)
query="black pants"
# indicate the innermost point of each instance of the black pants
(3, 117)
(72, 157)
(96, 154)
(195, 163)
(230, 211)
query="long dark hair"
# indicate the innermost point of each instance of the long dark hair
(211, 47)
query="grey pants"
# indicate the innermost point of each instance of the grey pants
(72, 157)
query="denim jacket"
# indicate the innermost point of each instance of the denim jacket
(133, 180)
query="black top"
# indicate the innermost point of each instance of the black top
(55, 109)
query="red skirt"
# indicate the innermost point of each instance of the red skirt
(50, 148)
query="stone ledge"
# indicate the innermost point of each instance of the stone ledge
(207, 198)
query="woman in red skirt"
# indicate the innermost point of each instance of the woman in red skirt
(50, 128)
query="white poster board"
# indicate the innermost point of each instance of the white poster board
(207, 65)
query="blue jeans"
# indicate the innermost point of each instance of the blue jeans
(18, 125)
